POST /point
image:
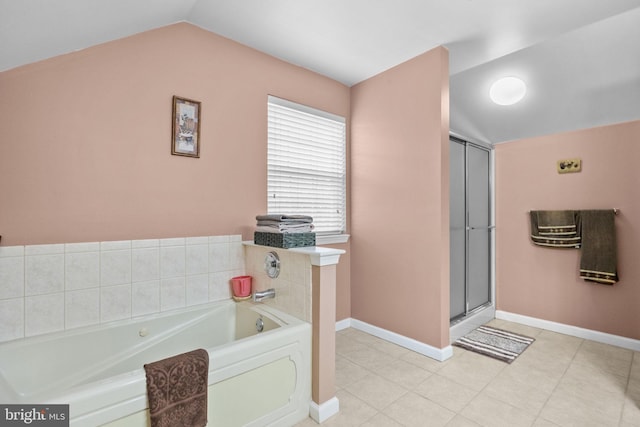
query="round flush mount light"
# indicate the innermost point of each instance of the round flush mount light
(507, 91)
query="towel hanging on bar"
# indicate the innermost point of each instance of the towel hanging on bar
(599, 258)
(615, 211)
(593, 230)
(557, 229)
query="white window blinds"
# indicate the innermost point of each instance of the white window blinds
(306, 164)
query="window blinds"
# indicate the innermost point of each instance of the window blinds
(306, 164)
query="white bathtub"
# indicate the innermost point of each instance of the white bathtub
(255, 379)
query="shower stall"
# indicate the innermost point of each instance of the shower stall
(471, 235)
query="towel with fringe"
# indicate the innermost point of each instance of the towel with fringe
(557, 229)
(177, 390)
(599, 257)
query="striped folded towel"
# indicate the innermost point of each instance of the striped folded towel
(556, 229)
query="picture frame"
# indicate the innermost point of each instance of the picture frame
(185, 129)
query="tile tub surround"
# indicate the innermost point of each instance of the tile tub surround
(49, 288)
(293, 284)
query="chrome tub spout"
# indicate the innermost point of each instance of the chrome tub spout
(262, 295)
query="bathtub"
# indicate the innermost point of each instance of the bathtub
(255, 378)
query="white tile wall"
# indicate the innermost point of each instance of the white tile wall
(11, 277)
(82, 270)
(82, 308)
(11, 319)
(44, 313)
(145, 264)
(145, 298)
(44, 273)
(49, 288)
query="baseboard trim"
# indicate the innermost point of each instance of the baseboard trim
(439, 354)
(343, 324)
(575, 331)
(320, 413)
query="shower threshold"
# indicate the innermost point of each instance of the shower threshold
(462, 325)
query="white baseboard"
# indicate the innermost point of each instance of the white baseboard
(320, 413)
(575, 331)
(343, 324)
(439, 354)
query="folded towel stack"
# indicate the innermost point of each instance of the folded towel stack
(284, 224)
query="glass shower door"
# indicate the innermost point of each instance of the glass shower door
(470, 228)
(457, 231)
(479, 228)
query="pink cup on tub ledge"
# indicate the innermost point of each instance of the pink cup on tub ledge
(241, 286)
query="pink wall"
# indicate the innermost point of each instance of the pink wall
(400, 199)
(542, 282)
(85, 145)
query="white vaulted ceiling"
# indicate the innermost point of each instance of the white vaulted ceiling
(579, 58)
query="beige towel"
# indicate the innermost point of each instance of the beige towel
(177, 390)
(599, 258)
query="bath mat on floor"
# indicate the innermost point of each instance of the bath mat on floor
(496, 343)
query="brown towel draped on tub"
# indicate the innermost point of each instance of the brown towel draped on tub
(599, 258)
(177, 390)
(557, 229)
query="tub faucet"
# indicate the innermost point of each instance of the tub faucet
(262, 295)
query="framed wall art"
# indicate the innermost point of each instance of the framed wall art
(185, 139)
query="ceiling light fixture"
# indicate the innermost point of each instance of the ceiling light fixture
(507, 91)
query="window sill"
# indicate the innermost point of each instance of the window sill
(332, 239)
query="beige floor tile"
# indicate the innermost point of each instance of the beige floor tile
(490, 412)
(573, 413)
(308, 422)
(376, 391)
(403, 373)
(606, 357)
(446, 392)
(460, 421)
(541, 422)
(581, 399)
(369, 358)
(631, 409)
(522, 387)
(346, 344)
(348, 372)
(635, 366)
(537, 376)
(542, 362)
(551, 345)
(472, 370)
(558, 381)
(414, 410)
(380, 420)
(379, 344)
(591, 378)
(424, 362)
(390, 348)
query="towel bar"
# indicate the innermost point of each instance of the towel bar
(615, 211)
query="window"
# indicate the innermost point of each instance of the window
(306, 165)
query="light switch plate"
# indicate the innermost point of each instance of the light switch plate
(569, 165)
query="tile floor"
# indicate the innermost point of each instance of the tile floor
(558, 381)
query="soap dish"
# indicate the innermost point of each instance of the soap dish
(238, 299)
